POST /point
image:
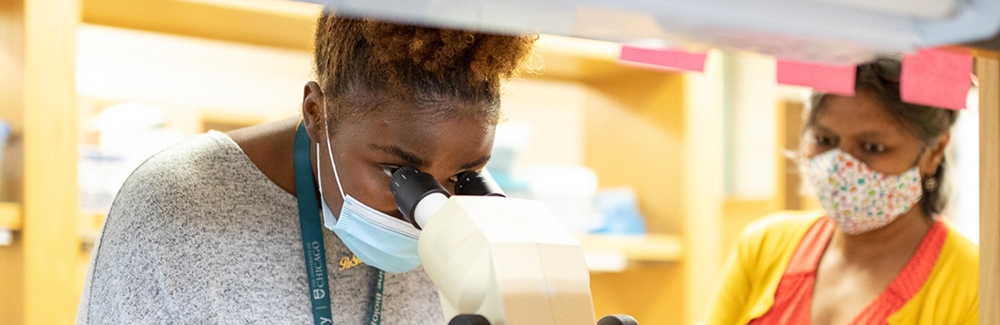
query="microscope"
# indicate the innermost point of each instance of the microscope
(496, 260)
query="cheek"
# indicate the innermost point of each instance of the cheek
(369, 186)
(382, 198)
(811, 150)
(808, 147)
(895, 164)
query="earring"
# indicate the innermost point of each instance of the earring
(930, 183)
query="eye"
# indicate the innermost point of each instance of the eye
(389, 169)
(825, 141)
(873, 147)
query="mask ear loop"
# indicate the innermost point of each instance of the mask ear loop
(329, 219)
(319, 171)
(329, 150)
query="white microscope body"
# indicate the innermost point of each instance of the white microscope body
(508, 260)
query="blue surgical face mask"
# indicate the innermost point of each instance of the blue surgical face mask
(378, 239)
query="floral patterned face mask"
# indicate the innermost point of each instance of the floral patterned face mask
(857, 198)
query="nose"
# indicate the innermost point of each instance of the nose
(852, 149)
(442, 177)
(444, 180)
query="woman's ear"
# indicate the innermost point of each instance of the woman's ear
(312, 111)
(932, 160)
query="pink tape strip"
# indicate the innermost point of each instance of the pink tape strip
(673, 58)
(832, 79)
(936, 78)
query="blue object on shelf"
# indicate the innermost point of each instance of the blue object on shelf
(620, 210)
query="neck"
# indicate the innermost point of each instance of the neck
(269, 147)
(898, 237)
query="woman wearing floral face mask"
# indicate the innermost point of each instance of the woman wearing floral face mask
(881, 253)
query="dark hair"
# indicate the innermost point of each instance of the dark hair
(361, 64)
(881, 78)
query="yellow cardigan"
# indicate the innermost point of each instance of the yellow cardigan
(752, 273)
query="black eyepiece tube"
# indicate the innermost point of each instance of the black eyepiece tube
(409, 186)
(617, 320)
(477, 184)
(467, 319)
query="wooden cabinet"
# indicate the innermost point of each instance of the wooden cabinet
(988, 71)
(39, 100)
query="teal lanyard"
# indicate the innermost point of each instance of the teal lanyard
(312, 240)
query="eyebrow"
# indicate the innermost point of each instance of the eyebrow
(482, 160)
(409, 157)
(821, 128)
(871, 135)
(412, 158)
(864, 135)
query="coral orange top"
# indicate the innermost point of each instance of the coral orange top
(793, 299)
(939, 285)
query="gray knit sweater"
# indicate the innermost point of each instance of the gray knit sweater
(198, 235)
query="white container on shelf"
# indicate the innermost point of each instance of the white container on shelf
(128, 134)
(568, 191)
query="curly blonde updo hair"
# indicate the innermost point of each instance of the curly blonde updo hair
(362, 65)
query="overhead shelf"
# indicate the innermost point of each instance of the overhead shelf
(836, 31)
(281, 24)
(289, 25)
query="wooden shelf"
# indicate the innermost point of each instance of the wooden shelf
(656, 248)
(11, 219)
(603, 249)
(89, 227)
(612, 253)
(10, 216)
(290, 25)
(282, 24)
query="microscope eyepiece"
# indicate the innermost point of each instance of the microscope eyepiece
(410, 186)
(469, 319)
(617, 320)
(477, 184)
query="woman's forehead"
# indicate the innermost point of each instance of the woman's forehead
(861, 115)
(430, 138)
